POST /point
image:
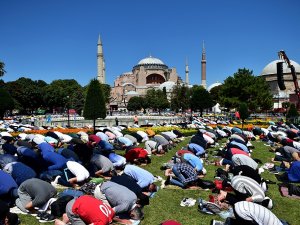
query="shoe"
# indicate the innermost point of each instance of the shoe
(188, 202)
(17, 211)
(168, 180)
(40, 215)
(216, 222)
(267, 202)
(47, 218)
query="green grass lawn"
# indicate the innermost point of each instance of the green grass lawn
(166, 203)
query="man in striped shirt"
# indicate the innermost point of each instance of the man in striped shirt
(246, 189)
(249, 213)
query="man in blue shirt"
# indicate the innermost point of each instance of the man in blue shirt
(194, 161)
(124, 142)
(8, 188)
(143, 178)
(19, 171)
(196, 149)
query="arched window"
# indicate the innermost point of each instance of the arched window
(155, 79)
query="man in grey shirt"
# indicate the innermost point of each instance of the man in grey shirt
(121, 199)
(102, 166)
(34, 193)
(239, 160)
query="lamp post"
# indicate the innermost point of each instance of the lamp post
(68, 111)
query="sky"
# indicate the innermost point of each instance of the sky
(57, 39)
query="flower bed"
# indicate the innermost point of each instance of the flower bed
(62, 130)
(186, 132)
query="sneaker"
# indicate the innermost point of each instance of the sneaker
(168, 180)
(17, 211)
(47, 218)
(40, 215)
(216, 222)
(188, 202)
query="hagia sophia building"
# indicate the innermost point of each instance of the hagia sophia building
(152, 72)
(147, 74)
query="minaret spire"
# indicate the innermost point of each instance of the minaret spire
(100, 62)
(203, 67)
(186, 71)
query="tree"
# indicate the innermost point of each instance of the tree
(106, 90)
(243, 86)
(2, 71)
(244, 113)
(292, 113)
(57, 92)
(135, 103)
(215, 93)
(94, 106)
(180, 98)
(27, 94)
(6, 102)
(201, 99)
(156, 99)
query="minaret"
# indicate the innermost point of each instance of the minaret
(100, 62)
(203, 67)
(186, 72)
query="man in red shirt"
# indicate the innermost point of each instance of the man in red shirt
(87, 210)
(137, 156)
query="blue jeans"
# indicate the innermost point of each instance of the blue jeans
(178, 181)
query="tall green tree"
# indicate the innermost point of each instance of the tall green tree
(6, 102)
(94, 106)
(243, 86)
(215, 93)
(157, 100)
(180, 98)
(27, 94)
(135, 103)
(200, 99)
(292, 113)
(57, 92)
(244, 113)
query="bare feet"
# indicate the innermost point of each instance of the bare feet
(59, 222)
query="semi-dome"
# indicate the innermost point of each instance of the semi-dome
(168, 85)
(150, 60)
(213, 85)
(271, 68)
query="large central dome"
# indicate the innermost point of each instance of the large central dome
(150, 60)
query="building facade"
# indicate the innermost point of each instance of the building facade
(148, 73)
(269, 73)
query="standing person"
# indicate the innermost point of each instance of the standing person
(117, 121)
(136, 120)
(32, 120)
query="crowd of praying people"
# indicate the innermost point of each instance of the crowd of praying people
(101, 186)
